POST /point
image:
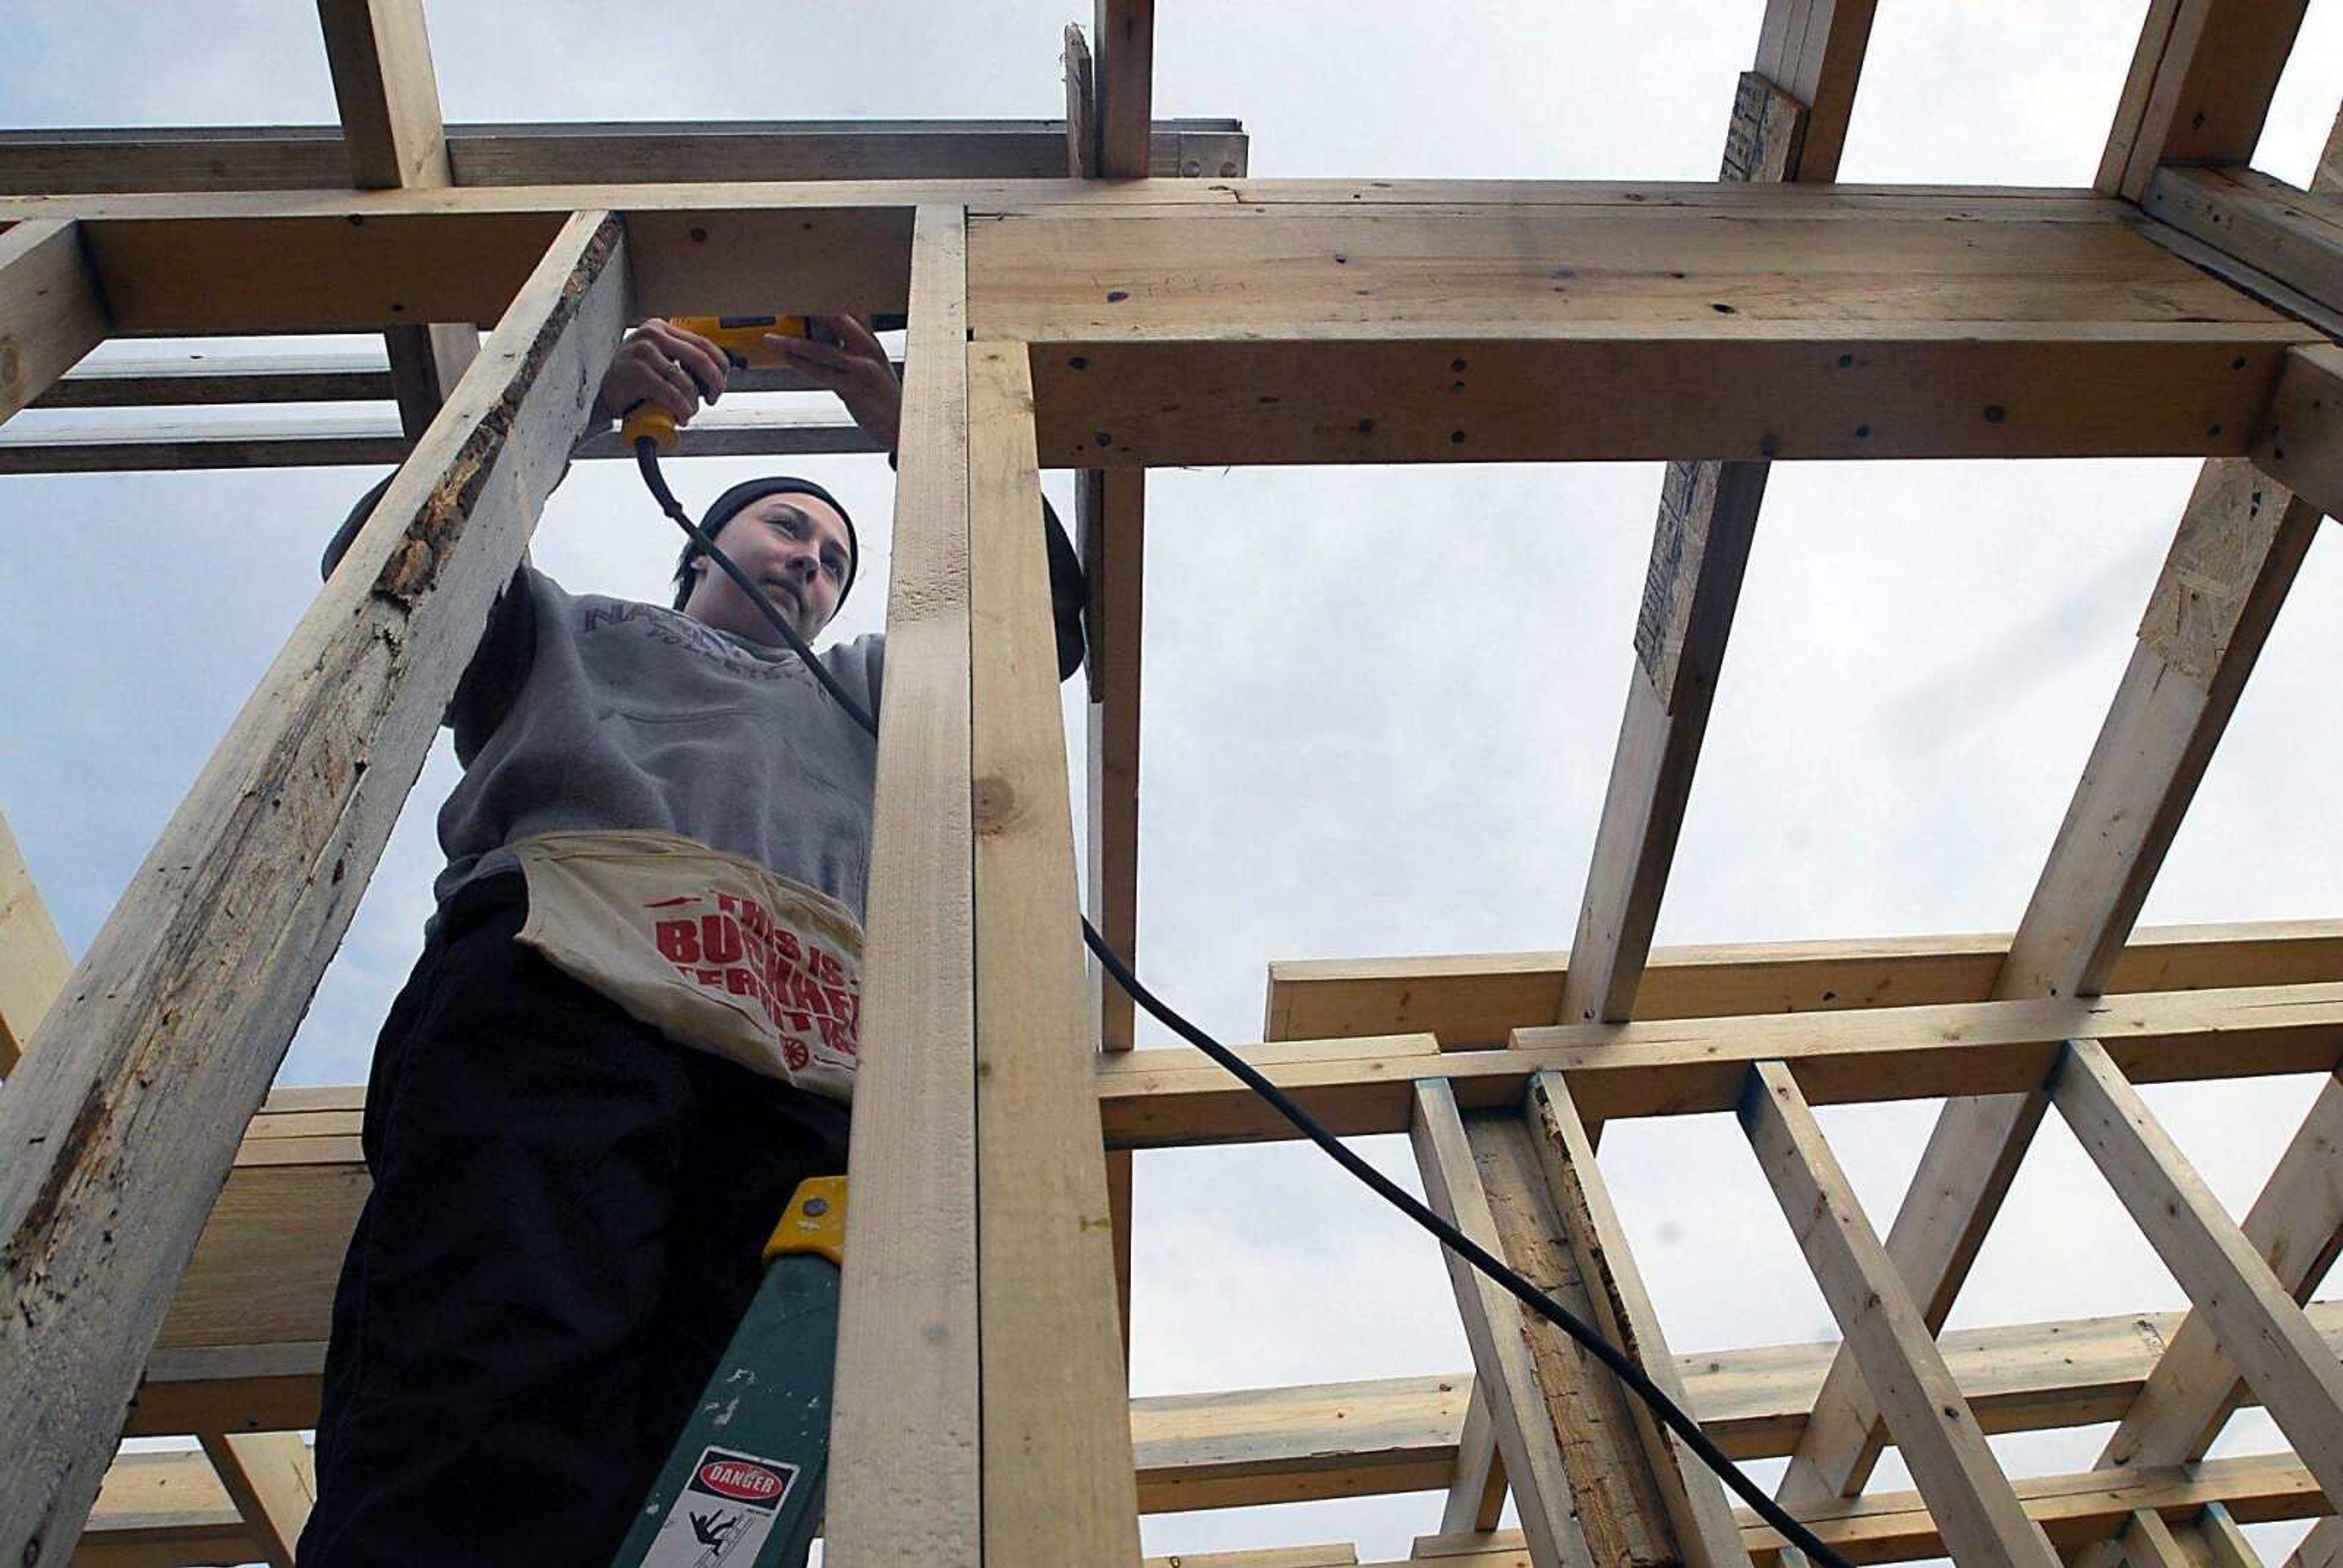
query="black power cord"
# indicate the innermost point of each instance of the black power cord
(1669, 1412)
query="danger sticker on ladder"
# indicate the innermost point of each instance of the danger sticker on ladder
(724, 1512)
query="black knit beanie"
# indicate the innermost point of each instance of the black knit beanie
(726, 506)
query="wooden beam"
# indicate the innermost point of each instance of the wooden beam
(2239, 544)
(2322, 1548)
(300, 274)
(2139, 352)
(1708, 516)
(206, 378)
(2295, 1226)
(169, 1509)
(1246, 1447)
(2149, 1542)
(1082, 105)
(1347, 335)
(381, 53)
(1476, 1492)
(388, 95)
(2328, 175)
(272, 1476)
(1705, 1532)
(2293, 236)
(1338, 1554)
(244, 1333)
(1467, 999)
(1700, 548)
(52, 309)
(463, 204)
(1508, 1358)
(2300, 441)
(2251, 1313)
(1110, 519)
(2224, 1544)
(1935, 1431)
(183, 378)
(254, 1387)
(426, 363)
(605, 152)
(161, 1511)
(268, 1477)
(1813, 51)
(662, 151)
(1168, 1099)
(2199, 87)
(243, 1343)
(107, 445)
(905, 1485)
(1125, 49)
(1057, 1467)
(33, 962)
(129, 1102)
(1896, 1527)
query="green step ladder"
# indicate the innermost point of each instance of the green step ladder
(743, 1486)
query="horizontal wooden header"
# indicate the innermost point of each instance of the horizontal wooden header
(1629, 329)
(312, 157)
(1165, 1098)
(1466, 999)
(1198, 321)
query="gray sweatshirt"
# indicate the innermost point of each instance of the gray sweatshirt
(581, 712)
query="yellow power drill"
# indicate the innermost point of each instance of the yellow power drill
(742, 339)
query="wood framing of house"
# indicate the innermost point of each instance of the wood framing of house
(1108, 292)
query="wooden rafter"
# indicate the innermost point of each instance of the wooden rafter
(266, 1474)
(33, 962)
(1813, 50)
(1899, 1526)
(2240, 541)
(1691, 1495)
(2250, 1311)
(2295, 1226)
(133, 1091)
(1123, 46)
(1935, 1432)
(1700, 546)
(389, 98)
(2199, 87)
(1511, 1354)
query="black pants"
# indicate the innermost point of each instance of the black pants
(563, 1234)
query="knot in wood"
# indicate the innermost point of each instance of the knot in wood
(992, 804)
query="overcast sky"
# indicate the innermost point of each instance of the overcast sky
(1380, 704)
